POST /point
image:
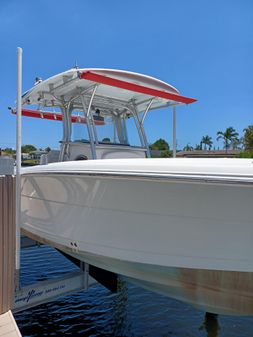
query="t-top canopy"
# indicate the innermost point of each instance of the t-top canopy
(112, 86)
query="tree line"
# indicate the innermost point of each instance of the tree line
(28, 148)
(230, 139)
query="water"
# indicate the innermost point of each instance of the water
(131, 312)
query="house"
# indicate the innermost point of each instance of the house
(209, 154)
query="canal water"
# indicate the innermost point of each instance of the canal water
(131, 312)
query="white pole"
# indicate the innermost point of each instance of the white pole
(18, 160)
(174, 132)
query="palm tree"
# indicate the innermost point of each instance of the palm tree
(229, 136)
(248, 138)
(237, 144)
(206, 140)
(188, 147)
(198, 146)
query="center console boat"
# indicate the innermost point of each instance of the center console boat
(181, 227)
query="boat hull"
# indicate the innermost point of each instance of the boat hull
(215, 291)
(191, 240)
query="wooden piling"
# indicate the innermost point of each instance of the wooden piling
(7, 241)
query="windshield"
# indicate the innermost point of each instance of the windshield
(79, 128)
(112, 129)
(107, 133)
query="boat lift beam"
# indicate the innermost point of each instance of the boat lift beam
(49, 290)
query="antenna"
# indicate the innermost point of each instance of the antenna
(76, 65)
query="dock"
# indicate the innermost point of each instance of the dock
(8, 326)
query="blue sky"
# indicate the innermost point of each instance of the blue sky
(204, 48)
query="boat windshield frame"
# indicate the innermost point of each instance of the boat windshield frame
(118, 111)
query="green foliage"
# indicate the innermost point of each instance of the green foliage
(28, 148)
(29, 162)
(248, 138)
(166, 154)
(9, 151)
(48, 149)
(246, 154)
(160, 144)
(162, 148)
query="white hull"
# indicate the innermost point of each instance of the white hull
(179, 231)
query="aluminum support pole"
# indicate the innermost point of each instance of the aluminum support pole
(18, 162)
(94, 129)
(174, 132)
(134, 112)
(138, 129)
(66, 132)
(90, 131)
(142, 131)
(146, 111)
(125, 130)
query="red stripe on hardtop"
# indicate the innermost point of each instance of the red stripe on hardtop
(87, 75)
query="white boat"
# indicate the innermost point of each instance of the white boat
(181, 227)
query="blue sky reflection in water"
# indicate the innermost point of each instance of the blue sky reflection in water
(132, 312)
(202, 47)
